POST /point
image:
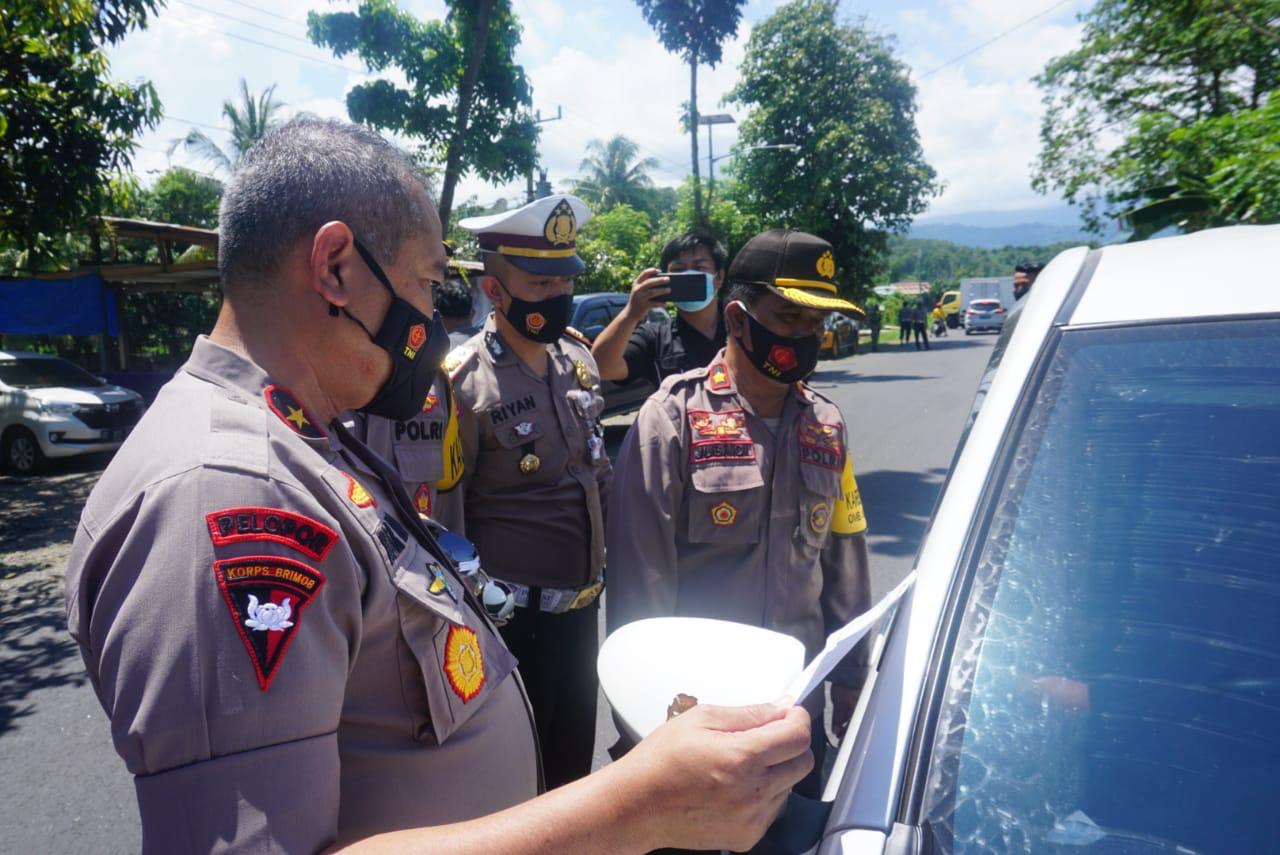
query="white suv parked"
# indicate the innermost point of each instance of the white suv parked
(50, 407)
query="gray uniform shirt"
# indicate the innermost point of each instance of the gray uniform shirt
(714, 515)
(280, 665)
(543, 527)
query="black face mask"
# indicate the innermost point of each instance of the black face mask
(416, 344)
(778, 357)
(541, 320)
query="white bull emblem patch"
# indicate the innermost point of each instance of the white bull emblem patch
(269, 617)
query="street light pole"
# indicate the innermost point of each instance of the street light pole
(717, 119)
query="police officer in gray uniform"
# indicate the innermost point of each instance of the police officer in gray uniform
(288, 659)
(535, 473)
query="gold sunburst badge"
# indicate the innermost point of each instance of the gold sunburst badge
(463, 663)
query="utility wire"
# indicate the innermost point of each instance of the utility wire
(262, 11)
(994, 39)
(253, 24)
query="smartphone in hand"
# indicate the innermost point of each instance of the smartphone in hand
(689, 287)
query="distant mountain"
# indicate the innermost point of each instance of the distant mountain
(995, 229)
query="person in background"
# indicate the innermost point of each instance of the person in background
(1024, 276)
(939, 320)
(873, 322)
(920, 324)
(453, 299)
(629, 348)
(906, 322)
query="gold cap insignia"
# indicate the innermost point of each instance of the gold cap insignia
(827, 265)
(529, 464)
(561, 227)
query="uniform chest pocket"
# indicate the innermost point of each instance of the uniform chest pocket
(422, 462)
(817, 503)
(454, 660)
(518, 431)
(726, 504)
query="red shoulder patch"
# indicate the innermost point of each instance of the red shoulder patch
(238, 525)
(820, 444)
(266, 595)
(290, 410)
(719, 376)
(578, 337)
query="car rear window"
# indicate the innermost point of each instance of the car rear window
(985, 305)
(1114, 682)
(37, 373)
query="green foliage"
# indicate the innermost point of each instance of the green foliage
(726, 219)
(185, 198)
(1166, 77)
(615, 175)
(943, 263)
(250, 121)
(63, 121)
(615, 246)
(1227, 170)
(694, 30)
(486, 129)
(836, 91)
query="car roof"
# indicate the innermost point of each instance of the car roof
(608, 296)
(1212, 273)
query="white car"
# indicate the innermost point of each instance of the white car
(50, 407)
(1089, 660)
(984, 314)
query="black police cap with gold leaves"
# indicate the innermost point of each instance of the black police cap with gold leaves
(797, 266)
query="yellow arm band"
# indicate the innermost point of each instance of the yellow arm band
(849, 518)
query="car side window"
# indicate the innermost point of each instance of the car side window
(1113, 681)
(595, 315)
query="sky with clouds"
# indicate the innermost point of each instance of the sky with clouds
(979, 111)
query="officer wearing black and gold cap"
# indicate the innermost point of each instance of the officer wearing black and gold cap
(535, 474)
(734, 495)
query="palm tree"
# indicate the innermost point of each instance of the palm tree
(615, 175)
(250, 121)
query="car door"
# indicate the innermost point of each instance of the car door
(1105, 677)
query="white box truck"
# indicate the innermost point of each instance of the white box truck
(990, 287)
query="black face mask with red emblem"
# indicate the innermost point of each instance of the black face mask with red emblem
(542, 321)
(416, 344)
(778, 357)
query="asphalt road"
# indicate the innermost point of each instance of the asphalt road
(64, 790)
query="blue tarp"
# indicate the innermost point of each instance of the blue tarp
(79, 306)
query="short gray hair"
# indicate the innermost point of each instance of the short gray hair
(306, 173)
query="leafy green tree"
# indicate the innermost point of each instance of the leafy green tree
(615, 245)
(695, 30)
(726, 218)
(250, 120)
(615, 175)
(63, 122)
(1142, 112)
(836, 92)
(467, 101)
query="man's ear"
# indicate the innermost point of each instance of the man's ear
(488, 284)
(718, 279)
(735, 320)
(333, 256)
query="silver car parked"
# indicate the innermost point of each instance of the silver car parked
(984, 314)
(50, 407)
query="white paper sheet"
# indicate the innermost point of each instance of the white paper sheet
(843, 640)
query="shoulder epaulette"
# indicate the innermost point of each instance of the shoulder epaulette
(458, 359)
(570, 332)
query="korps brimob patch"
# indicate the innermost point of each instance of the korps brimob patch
(267, 595)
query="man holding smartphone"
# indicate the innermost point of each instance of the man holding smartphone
(629, 349)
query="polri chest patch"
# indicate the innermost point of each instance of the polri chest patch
(266, 596)
(820, 444)
(719, 436)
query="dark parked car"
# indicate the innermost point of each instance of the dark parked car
(591, 314)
